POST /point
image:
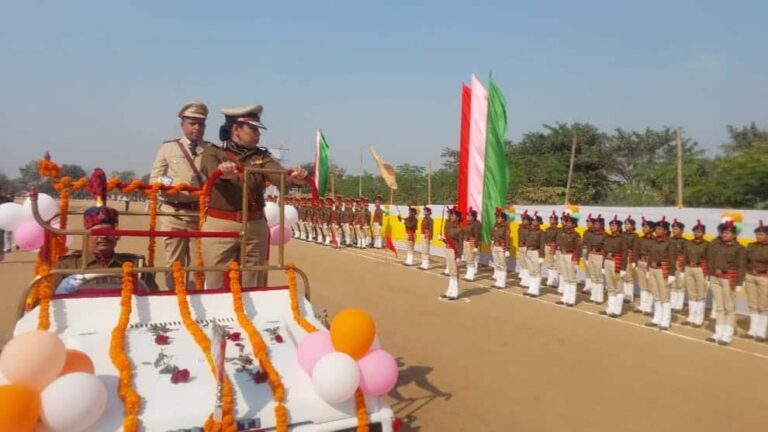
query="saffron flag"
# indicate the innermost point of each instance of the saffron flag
(483, 157)
(386, 170)
(321, 163)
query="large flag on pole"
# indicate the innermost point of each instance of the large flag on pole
(466, 100)
(321, 163)
(484, 156)
(386, 170)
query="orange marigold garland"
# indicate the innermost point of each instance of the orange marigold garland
(202, 208)
(129, 396)
(45, 291)
(152, 194)
(360, 408)
(260, 350)
(227, 423)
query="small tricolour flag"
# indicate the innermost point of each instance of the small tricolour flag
(321, 163)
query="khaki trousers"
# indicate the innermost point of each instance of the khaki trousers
(450, 262)
(567, 268)
(376, 229)
(549, 258)
(612, 278)
(679, 283)
(629, 275)
(499, 258)
(695, 284)
(469, 252)
(595, 267)
(220, 251)
(522, 261)
(426, 244)
(641, 273)
(179, 249)
(723, 298)
(757, 292)
(532, 263)
(658, 285)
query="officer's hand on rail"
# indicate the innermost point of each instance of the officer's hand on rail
(297, 175)
(228, 170)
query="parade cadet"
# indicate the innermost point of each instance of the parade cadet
(359, 216)
(367, 216)
(328, 222)
(411, 222)
(310, 221)
(500, 249)
(696, 274)
(677, 288)
(347, 219)
(756, 283)
(596, 250)
(726, 263)
(662, 257)
(630, 261)
(454, 240)
(336, 231)
(569, 247)
(522, 261)
(101, 249)
(550, 258)
(240, 135)
(378, 222)
(471, 244)
(614, 250)
(585, 253)
(426, 237)
(178, 161)
(641, 266)
(535, 243)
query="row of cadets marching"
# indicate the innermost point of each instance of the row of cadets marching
(339, 222)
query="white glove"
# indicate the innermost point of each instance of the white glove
(475, 250)
(739, 288)
(602, 271)
(506, 254)
(670, 279)
(541, 260)
(441, 238)
(622, 273)
(682, 275)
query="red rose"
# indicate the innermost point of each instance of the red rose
(162, 339)
(234, 336)
(278, 339)
(260, 377)
(397, 424)
(180, 376)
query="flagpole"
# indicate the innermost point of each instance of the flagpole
(360, 185)
(429, 183)
(333, 189)
(570, 170)
(679, 170)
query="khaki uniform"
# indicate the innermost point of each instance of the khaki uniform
(535, 243)
(426, 239)
(411, 223)
(521, 261)
(347, 217)
(550, 239)
(73, 261)
(178, 212)
(662, 257)
(677, 286)
(613, 264)
(499, 249)
(471, 242)
(569, 250)
(378, 221)
(756, 285)
(695, 260)
(641, 272)
(454, 238)
(226, 198)
(726, 263)
(595, 261)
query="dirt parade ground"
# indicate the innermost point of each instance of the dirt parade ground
(496, 360)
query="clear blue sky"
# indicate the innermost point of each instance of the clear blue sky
(99, 83)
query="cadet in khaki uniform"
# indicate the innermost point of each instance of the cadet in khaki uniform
(471, 244)
(696, 274)
(500, 248)
(614, 250)
(641, 268)
(756, 283)
(327, 221)
(662, 257)
(535, 243)
(411, 223)
(596, 250)
(347, 218)
(178, 161)
(240, 135)
(585, 253)
(426, 237)
(521, 261)
(454, 240)
(366, 223)
(101, 251)
(630, 261)
(677, 287)
(550, 254)
(569, 247)
(727, 265)
(378, 222)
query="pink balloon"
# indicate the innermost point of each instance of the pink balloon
(378, 373)
(33, 359)
(314, 346)
(29, 235)
(274, 235)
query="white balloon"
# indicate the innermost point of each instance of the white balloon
(272, 212)
(11, 215)
(73, 402)
(335, 377)
(47, 206)
(291, 215)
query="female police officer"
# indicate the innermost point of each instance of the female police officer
(240, 136)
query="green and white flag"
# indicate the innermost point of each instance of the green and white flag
(321, 163)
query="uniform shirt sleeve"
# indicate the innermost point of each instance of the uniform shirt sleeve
(160, 165)
(742, 264)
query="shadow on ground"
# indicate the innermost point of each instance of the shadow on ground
(407, 408)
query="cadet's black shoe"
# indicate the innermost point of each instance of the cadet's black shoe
(746, 336)
(560, 302)
(664, 328)
(602, 312)
(443, 296)
(651, 324)
(452, 298)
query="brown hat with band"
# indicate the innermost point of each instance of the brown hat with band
(250, 114)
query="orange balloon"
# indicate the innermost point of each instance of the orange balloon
(77, 361)
(19, 408)
(352, 332)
